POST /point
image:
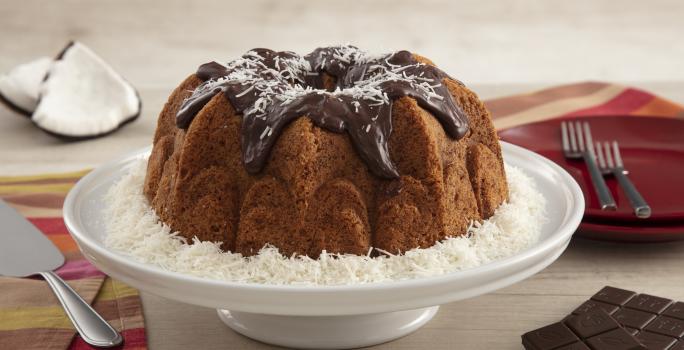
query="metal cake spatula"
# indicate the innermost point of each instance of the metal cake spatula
(25, 251)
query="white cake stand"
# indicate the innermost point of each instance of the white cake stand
(328, 316)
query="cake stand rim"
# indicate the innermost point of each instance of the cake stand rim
(162, 282)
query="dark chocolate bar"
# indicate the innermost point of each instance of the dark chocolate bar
(592, 329)
(658, 323)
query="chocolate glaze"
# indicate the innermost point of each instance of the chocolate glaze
(366, 117)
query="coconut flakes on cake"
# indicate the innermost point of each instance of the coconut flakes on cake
(134, 229)
(284, 85)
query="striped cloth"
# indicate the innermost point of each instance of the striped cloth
(30, 315)
(579, 100)
(31, 318)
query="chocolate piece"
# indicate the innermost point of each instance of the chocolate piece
(648, 303)
(656, 321)
(592, 323)
(675, 310)
(678, 346)
(270, 89)
(615, 318)
(574, 346)
(591, 305)
(633, 318)
(667, 326)
(616, 339)
(594, 329)
(632, 331)
(549, 337)
(654, 341)
(612, 295)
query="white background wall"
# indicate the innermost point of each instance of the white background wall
(157, 43)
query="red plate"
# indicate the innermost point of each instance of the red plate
(653, 151)
(607, 232)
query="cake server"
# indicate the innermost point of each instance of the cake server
(25, 251)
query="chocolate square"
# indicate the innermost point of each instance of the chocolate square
(590, 305)
(648, 303)
(653, 341)
(549, 337)
(574, 346)
(667, 326)
(617, 339)
(633, 318)
(678, 346)
(675, 310)
(592, 323)
(612, 295)
(631, 331)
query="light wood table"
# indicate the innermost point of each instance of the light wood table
(492, 321)
(489, 45)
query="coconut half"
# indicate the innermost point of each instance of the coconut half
(19, 88)
(83, 97)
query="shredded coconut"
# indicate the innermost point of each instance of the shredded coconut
(283, 85)
(134, 229)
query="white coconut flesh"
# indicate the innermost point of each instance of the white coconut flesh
(83, 96)
(21, 85)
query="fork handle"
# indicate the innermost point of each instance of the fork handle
(605, 197)
(641, 209)
(90, 325)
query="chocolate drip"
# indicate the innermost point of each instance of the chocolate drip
(271, 89)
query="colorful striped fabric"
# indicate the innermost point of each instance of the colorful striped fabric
(31, 318)
(579, 100)
(30, 315)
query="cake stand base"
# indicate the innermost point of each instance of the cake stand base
(327, 332)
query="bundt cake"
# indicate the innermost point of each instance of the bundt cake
(337, 150)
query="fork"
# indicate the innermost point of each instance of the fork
(641, 209)
(574, 137)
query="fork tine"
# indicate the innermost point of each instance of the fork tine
(618, 157)
(564, 138)
(609, 156)
(599, 154)
(580, 136)
(573, 139)
(589, 139)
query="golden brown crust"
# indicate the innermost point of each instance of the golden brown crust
(485, 171)
(315, 193)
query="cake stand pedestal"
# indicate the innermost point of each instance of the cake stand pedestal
(327, 332)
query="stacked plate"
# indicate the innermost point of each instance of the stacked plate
(653, 152)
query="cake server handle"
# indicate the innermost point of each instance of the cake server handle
(90, 325)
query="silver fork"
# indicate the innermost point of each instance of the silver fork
(641, 209)
(574, 137)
